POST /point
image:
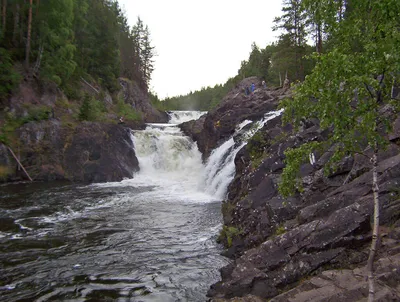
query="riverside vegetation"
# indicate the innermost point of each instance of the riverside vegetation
(66, 69)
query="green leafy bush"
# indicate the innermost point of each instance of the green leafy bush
(91, 109)
(227, 234)
(127, 111)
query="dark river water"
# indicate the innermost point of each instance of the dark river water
(124, 241)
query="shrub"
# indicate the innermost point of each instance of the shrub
(227, 234)
(91, 109)
(127, 111)
(4, 172)
(9, 79)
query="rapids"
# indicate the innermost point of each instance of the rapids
(149, 238)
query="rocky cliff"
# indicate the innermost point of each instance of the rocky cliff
(139, 100)
(53, 144)
(291, 248)
(90, 152)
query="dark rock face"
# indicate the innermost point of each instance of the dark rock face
(92, 152)
(100, 153)
(284, 240)
(219, 124)
(139, 100)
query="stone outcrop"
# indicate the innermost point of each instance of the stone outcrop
(347, 285)
(53, 145)
(139, 100)
(220, 124)
(279, 242)
(91, 152)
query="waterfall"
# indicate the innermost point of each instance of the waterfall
(178, 117)
(168, 158)
(220, 168)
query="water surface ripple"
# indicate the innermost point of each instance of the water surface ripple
(106, 243)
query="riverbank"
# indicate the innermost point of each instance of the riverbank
(277, 243)
(78, 138)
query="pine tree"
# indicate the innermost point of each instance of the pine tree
(294, 23)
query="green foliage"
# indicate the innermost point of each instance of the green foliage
(91, 109)
(280, 230)
(255, 147)
(257, 65)
(63, 103)
(294, 158)
(227, 235)
(35, 113)
(293, 22)
(156, 102)
(54, 42)
(227, 208)
(349, 84)
(204, 99)
(9, 79)
(127, 111)
(4, 172)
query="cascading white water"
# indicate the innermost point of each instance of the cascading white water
(178, 117)
(171, 160)
(150, 238)
(167, 156)
(220, 168)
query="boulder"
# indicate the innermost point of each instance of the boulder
(90, 152)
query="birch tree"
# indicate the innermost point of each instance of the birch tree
(345, 92)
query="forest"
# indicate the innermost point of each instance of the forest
(53, 41)
(64, 42)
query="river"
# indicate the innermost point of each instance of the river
(149, 238)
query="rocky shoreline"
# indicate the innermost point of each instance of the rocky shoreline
(61, 148)
(295, 249)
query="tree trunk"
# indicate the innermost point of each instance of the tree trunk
(375, 232)
(28, 39)
(16, 24)
(22, 23)
(4, 14)
(340, 10)
(319, 39)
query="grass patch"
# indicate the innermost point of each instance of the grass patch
(280, 230)
(4, 172)
(227, 235)
(127, 111)
(255, 147)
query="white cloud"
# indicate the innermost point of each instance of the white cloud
(201, 43)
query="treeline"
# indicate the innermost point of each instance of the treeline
(66, 41)
(204, 99)
(300, 25)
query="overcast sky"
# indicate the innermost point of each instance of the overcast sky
(201, 43)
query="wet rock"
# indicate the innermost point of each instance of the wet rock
(327, 225)
(91, 152)
(100, 153)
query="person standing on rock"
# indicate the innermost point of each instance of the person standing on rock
(264, 84)
(253, 87)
